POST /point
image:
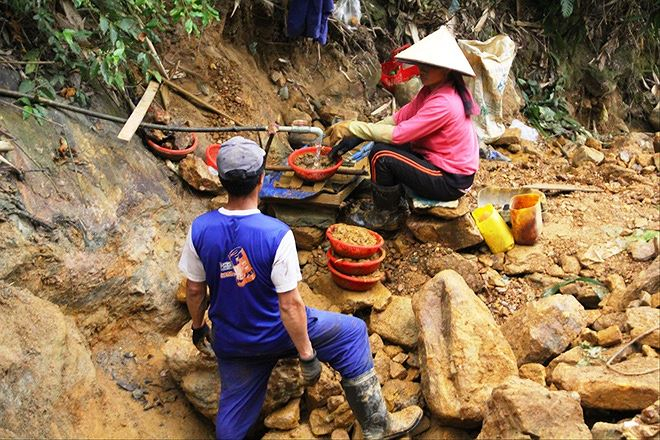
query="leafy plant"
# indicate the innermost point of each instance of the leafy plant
(104, 39)
(599, 287)
(547, 110)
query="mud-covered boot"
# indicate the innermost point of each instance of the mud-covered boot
(366, 401)
(388, 212)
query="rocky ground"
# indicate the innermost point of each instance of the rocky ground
(95, 343)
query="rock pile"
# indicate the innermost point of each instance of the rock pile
(441, 348)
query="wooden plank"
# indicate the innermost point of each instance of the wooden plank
(133, 122)
(561, 187)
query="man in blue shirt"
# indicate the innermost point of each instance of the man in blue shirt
(249, 263)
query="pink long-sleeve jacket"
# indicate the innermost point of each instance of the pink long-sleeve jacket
(435, 125)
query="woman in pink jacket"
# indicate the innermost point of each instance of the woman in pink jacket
(430, 145)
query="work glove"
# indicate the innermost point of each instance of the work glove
(311, 370)
(364, 130)
(202, 339)
(336, 133)
(344, 146)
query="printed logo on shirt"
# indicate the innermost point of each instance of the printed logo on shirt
(226, 270)
(242, 267)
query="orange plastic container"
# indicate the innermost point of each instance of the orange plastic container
(526, 218)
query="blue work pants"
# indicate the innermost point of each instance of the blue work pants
(340, 340)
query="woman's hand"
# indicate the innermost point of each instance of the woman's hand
(336, 133)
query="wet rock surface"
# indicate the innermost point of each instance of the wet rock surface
(463, 354)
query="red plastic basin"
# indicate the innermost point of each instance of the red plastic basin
(211, 155)
(312, 175)
(357, 252)
(174, 155)
(363, 267)
(350, 282)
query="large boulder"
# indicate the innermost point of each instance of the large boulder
(456, 234)
(46, 368)
(603, 388)
(544, 328)
(463, 354)
(648, 280)
(197, 375)
(396, 323)
(348, 301)
(523, 409)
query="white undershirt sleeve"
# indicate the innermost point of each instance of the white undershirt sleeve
(189, 263)
(286, 270)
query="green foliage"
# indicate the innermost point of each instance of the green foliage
(104, 39)
(567, 7)
(547, 110)
(599, 287)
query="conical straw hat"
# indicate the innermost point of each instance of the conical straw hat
(437, 49)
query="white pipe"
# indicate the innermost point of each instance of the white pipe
(301, 129)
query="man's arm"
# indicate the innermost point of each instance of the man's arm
(294, 318)
(196, 301)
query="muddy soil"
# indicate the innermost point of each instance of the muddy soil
(354, 235)
(310, 161)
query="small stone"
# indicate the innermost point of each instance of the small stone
(655, 300)
(610, 336)
(510, 136)
(594, 143)
(397, 371)
(181, 291)
(307, 237)
(589, 336)
(649, 351)
(413, 375)
(645, 299)
(514, 148)
(376, 343)
(584, 155)
(400, 358)
(218, 202)
(641, 320)
(590, 316)
(570, 264)
(392, 350)
(285, 418)
(643, 250)
(382, 366)
(335, 402)
(304, 257)
(196, 173)
(138, 393)
(533, 372)
(278, 78)
(399, 394)
(455, 234)
(339, 434)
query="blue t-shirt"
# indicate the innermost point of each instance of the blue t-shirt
(237, 253)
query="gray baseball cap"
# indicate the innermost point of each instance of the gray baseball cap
(239, 153)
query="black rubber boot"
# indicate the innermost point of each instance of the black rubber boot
(387, 213)
(366, 401)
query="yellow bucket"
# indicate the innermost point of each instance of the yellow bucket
(493, 228)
